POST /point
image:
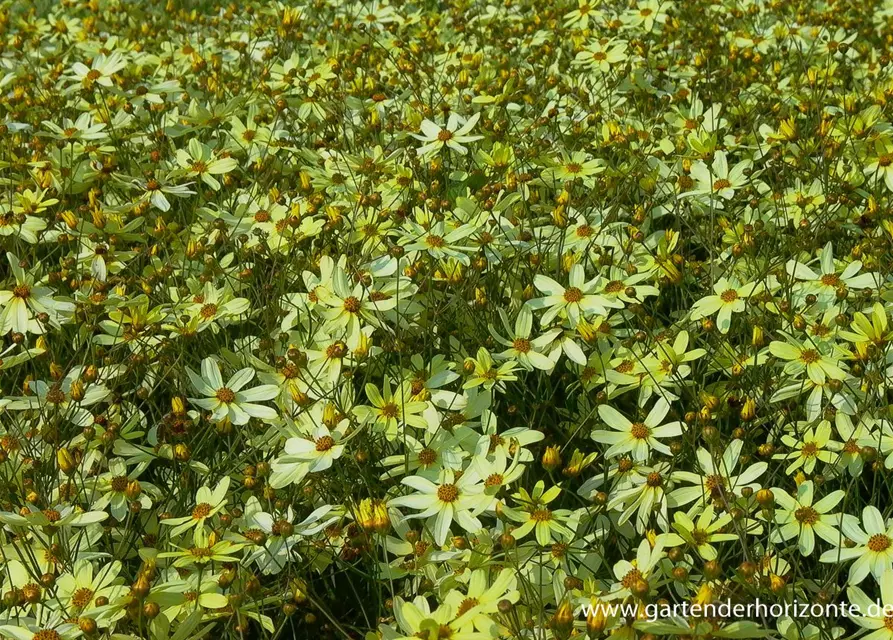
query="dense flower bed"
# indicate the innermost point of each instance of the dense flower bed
(444, 320)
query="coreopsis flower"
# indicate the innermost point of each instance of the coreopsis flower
(45, 625)
(310, 453)
(441, 503)
(118, 487)
(416, 619)
(229, 401)
(208, 503)
(481, 598)
(392, 409)
(814, 359)
(873, 551)
(273, 537)
(534, 514)
(702, 535)
(728, 297)
(637, 438)
(351, 305)
(814, 445)
(66, 398)
(642, 574)
(574, 166)
(454, 135)
(880, 168)
(198, 160)
(498, 472)
(486, 374)
(871, 614)
(826, 283)
(869, 331)
(79, 590)
(579, 17)
(717, 181)
(602, 56)
(574, 302)
(506, 441)
(56, 518)
(438, 240)
(100, 71)
(801, 517)
(206, 549)
(179, 597)
(717, 479)
(27, 306)
(643, 492)
(526, 352)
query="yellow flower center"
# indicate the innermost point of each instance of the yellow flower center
(639, 431)
(729, 295)
(447, 493)
(878, 542)
(806, 515)
(202, 510)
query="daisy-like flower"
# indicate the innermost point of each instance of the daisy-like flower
(438, 240)
(274, 549)
(717, 180)
(499, 472)
(872, 614)
(100, 72)
(66, 398)
(28, 306)
(642, 573)
(881, 166)
(574, 166)
(453, 136)
(312, 453)
(55, 518)
(206, 548)
(416, 620)
(728, 297)
(526, 352)
(156, 189)
(208, 503)
(578, 300)
(444, 501)
(602, 55)
(481, 598)
(534, 514)
(637, 438)
(349, 305)
(869, 331)
(827, 283)
(116, 489)
(45, 625)
(811, 358)
(717, 478)
(813, 446)
(579, 17)
(80, 589)
(198, 160)
(228, 401)
(392, 409)
(802, 518)
(179, 597)
(873, 551)
(643, 492)
(701, 535)
(486, 374)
